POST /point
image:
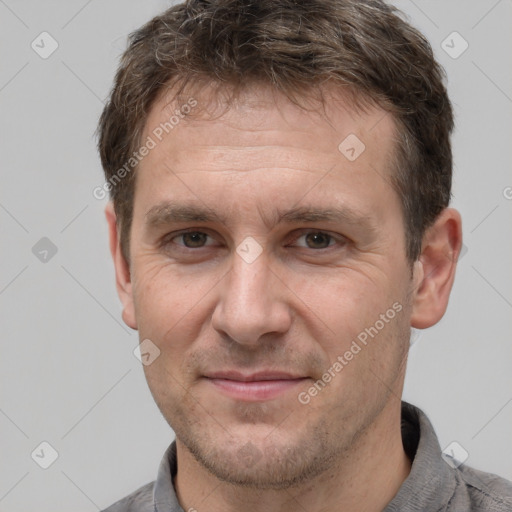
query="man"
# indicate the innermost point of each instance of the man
(280, 175)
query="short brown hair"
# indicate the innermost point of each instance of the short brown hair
(361, 45)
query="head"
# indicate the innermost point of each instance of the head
(304, 148)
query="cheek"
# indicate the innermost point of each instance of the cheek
(171, 307)
(360, 317)
(343, 301)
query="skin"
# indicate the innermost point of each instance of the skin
(297, 307)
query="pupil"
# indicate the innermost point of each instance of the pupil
(318, 238)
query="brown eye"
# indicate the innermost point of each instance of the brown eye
(318, 240)
(194, 239)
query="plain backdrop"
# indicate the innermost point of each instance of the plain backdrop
(68, 374)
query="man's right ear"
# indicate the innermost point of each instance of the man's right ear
(122, 268)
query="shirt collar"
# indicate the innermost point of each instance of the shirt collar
(431, 483)
(164, 495)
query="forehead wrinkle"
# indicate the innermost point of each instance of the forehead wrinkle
(234, 170)
(265, 156)
(175, 168)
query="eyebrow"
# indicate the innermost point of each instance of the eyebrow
(167, 213)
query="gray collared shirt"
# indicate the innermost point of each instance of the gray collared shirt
(433, 484)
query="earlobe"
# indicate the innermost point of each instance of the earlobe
(122, 269)
(434, 272)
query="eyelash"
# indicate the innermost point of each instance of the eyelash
(341, 240)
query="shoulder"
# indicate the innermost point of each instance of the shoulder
(486, 492)
(139, 501)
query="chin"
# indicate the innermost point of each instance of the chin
(260, 465)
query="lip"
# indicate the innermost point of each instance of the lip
(254, 387)
(251, 377)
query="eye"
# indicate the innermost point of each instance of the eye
(189, 239)
(317, 240)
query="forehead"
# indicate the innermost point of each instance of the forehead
(262, 137)
(258, 113)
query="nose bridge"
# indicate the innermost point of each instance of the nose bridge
(250, 305)
(249, 281)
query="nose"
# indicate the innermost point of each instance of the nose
(252, 303)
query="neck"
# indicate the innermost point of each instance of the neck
(364, 480)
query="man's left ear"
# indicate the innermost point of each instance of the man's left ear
(434, 272)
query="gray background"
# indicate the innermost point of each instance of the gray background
(68, 374)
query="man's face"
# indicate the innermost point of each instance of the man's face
(324, 264)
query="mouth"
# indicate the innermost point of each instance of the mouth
(255, 387)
